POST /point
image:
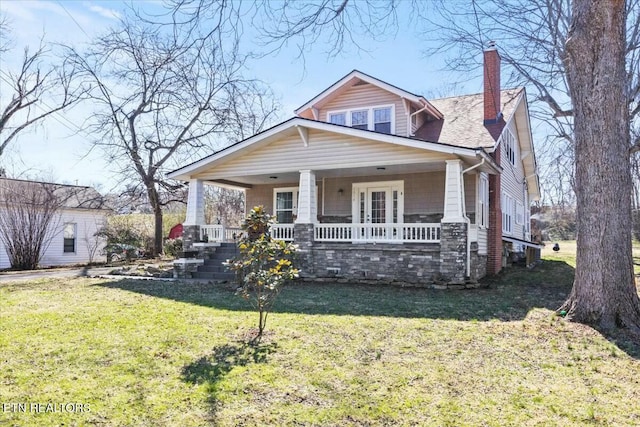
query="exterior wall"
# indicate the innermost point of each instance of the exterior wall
(326, 151)
(423, 196)
(87, 223)
(512, 179)
(368, 95)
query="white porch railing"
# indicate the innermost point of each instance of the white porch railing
(282, 232)
(392, 233)
(215, 233)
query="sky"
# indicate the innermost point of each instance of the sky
(58, 151)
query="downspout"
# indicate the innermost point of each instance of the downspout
(464, 214)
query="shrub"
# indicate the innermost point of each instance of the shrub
(264, 264)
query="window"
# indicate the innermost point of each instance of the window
(285, 201)
(338, 118)
(519, 214)
(382, 120)
(509, 144)
(359, 119)
(482, 218)
(69, 236)
(507, 213)
(378, 118)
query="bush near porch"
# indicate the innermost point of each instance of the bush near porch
(157, 353)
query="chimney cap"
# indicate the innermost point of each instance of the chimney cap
(491, 45)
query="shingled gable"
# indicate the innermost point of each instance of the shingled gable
(355, 77)
(70, 196)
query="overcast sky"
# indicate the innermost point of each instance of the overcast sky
(58, 151)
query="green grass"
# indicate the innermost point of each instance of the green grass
(145, 353)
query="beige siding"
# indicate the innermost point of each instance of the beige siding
(325, 151)
(423, 193)
(262, 195)
(512, 179)
(364, 96)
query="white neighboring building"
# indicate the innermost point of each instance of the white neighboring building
(72, 235)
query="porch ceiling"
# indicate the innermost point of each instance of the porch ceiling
(291, 177)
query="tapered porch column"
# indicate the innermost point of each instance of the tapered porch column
(453, 227)
(307, 198)
(307, 217)
(195, 213)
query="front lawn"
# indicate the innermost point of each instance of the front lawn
(142, 353)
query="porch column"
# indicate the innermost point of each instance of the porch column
(454, 227)
(307, 216)
(195, 214)
(307, 198)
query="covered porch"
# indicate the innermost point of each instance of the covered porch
(355, 202)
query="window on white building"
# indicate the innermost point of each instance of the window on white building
(509, 144)
(507, 213)
(285, 204)
(483, 201)
(519, 213)
(69, 238)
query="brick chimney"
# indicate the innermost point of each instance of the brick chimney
(492, 104)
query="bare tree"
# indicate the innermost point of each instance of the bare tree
(30, 216)
(224, 206)
(165, 95)
(39, 87)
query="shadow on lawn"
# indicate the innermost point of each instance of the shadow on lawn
(510, 296)
(211, 369)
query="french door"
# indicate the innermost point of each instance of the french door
(378, 203)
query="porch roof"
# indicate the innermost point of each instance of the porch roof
(303, 134)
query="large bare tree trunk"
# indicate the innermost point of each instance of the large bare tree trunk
(604, 292)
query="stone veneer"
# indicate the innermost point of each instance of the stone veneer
(453, 252)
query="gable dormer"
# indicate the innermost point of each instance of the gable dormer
(364, 102)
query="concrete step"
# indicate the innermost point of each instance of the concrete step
(214, 268)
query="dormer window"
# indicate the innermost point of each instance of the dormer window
(359, 119)
(378, 118)
(338, 118)
(382, 119)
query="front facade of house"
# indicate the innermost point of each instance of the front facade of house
(71, 236)
(374, 182)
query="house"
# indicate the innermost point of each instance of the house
(375, 182)
(77, 213)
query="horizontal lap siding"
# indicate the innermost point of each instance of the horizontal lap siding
(364, 96)
(512, 179)
(87, 223)
(325, 151)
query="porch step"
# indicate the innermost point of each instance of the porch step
(213, 267)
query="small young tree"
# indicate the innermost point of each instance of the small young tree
(264, 264)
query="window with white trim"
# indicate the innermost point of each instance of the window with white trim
(507, 213)
(338, 118)
(285, 204)
(482, 218)
(69, 238)
(519, 213)
(377, 118)
(509, 144)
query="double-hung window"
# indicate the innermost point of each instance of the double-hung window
(359, 119)
(69, 238)
(482, 218)
(338, 118)
(382, 120)
(509, 144)
(507, 213)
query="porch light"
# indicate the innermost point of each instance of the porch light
(381, 168)
(340, 191)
